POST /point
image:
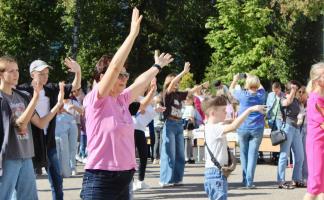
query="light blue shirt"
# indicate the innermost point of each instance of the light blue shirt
(255, 120)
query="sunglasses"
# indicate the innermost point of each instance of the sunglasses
(123, 75)
(301, 92)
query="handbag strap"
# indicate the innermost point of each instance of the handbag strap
(212, 157)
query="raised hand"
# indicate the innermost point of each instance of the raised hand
(37, 86)
(159, 108)
(163, 59)
(186, 67)
(205, 85)
(72, 65)
(60, 96)
(136, 22)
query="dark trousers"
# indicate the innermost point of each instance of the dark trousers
(158, 142)
(102, 185)
(141, 145)
(54, 174)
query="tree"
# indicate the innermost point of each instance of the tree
(245, 39)
(33, 29)
(187, 81)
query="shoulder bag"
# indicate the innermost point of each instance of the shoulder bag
(278, 136)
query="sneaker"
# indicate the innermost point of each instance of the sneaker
(140, 185)
(165, 185)
(74, 173)
(156, 162)
(84, 160)
(249, 187)
(178, 183)
(78, 158)
(191, 161)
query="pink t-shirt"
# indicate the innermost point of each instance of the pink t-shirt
(314, 117)
(110, 132)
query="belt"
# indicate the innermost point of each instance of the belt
(174, 118)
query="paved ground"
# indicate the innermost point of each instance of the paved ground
(193, 186)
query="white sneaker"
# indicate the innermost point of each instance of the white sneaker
(78, 158)
(74, 173)
(140, 185)
(156, 162)
(164, 185)
(84, 160)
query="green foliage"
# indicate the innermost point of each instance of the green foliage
(243, 42)
(174, 27)
(187, 81)
(30, 30)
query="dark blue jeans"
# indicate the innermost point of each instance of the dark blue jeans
(102, 184)
(54, 174)
(83, 146)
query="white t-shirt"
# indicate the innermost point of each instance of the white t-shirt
(43, 106)
(142, 120)
(217, 143)
(188, 112)
(73, 112)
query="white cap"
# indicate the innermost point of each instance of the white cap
(38, 65)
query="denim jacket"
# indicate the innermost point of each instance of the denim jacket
(270, 102)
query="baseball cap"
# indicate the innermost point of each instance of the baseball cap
(38, 65)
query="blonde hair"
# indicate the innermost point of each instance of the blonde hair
(313, 75)
(4, 60)
(252, 81)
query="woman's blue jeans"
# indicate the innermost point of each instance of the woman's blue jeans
(250, 141)
(294, 141)
(172, 152)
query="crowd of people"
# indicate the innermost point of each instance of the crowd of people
(41, 124)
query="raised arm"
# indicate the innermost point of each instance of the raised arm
(138, 87)
(238, 121)
(149, 96)
(76, 69)
(236, 78)
(117, 63)
(26, 116)
(42, 122)
(290, 96)
(198, 87)
(176, 80)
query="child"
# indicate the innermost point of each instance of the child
(215, 130)
(315, 133)
(188, 118)
(16, 139)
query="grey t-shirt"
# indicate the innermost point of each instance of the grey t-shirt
(19, 145)
(292, 112)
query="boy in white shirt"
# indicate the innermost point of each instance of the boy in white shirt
(215, 130)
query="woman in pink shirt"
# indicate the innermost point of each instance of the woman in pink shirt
(110, 131)
(315, 133)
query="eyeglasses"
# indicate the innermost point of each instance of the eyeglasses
(123, 75)
(301, 92)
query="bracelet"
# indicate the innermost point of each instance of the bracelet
(157, 66)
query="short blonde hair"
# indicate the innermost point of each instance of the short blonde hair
(4, 60)
(252, 81)
(313, 75)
